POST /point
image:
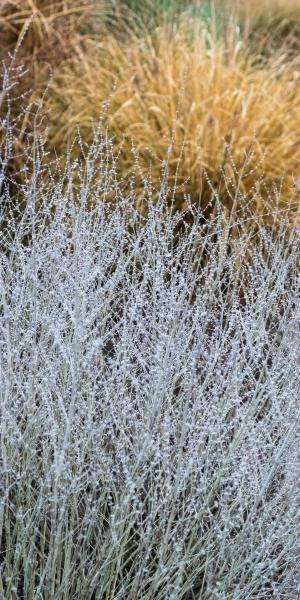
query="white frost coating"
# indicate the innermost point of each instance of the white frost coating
(149, 401)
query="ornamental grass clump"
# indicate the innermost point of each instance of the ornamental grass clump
(220, 118)
(149, 387)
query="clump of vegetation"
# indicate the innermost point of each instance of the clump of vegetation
(149, 437)
(223, 120)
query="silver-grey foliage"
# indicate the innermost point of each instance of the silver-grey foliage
(149, 398)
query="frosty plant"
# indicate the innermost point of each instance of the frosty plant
(149, 395)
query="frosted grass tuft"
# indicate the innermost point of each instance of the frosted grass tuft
(149, 396)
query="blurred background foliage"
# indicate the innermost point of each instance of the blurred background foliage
(213, 86)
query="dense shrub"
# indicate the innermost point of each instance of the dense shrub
(149, 398)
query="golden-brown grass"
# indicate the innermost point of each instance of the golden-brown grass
(42, 26)
(39, 35)
(254, 7)
(202, 104)
(270, 25)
